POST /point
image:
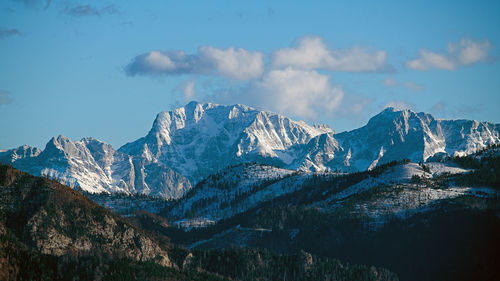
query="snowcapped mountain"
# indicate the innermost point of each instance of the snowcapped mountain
(187, 144)
(395, 135)
(202, 138)
(12, 155)
(96, 167)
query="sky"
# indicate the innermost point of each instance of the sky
(106, 68)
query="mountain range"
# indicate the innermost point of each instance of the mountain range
(187, 144)
(49, 231)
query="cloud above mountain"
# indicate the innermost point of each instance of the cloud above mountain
(290, 80)
(238, 64)
(310, 52)
(466, 52)
(187, 89)
(307, 53)
(295, 80)
(302, 93)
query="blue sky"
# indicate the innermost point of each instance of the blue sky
(106, 68)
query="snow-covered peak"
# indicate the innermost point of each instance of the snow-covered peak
(58, 141)
(319, 150)
(22, 152)
(401, 118)
(201, 138)
(59, 146)
(94, 166)
(324, 127)
(91, 140)
(395, 134)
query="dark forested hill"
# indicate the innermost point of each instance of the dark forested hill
(419, 221)
(51, 232)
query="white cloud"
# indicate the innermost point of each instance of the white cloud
(187, 89)
(159, 62)
(302, 93)
(429, 59)
(299, 92)
(473, 52)
(238, 64)
(466, 52)
(310, 52)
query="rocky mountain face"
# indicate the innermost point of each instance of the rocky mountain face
(202, 138)
(396, 135)
(51, 232)
(56, 220)
(22, 152)
(96, 167)
(187, 144)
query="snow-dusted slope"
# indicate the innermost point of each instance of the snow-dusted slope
(399, 190)
(96, 167)
(235, 190)
(395, 193)
(201, 138)
(12, 155)
(395, 135)
(399, 174)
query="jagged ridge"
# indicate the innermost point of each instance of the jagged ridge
(189, 143)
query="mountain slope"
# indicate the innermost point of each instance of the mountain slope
(190, 143)
(234, 190)
(401, 186)
(22, 152)
(51, 232)
(201, 138)
(396, 135)
(96, 167)
(57, 220)
(413, 219)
